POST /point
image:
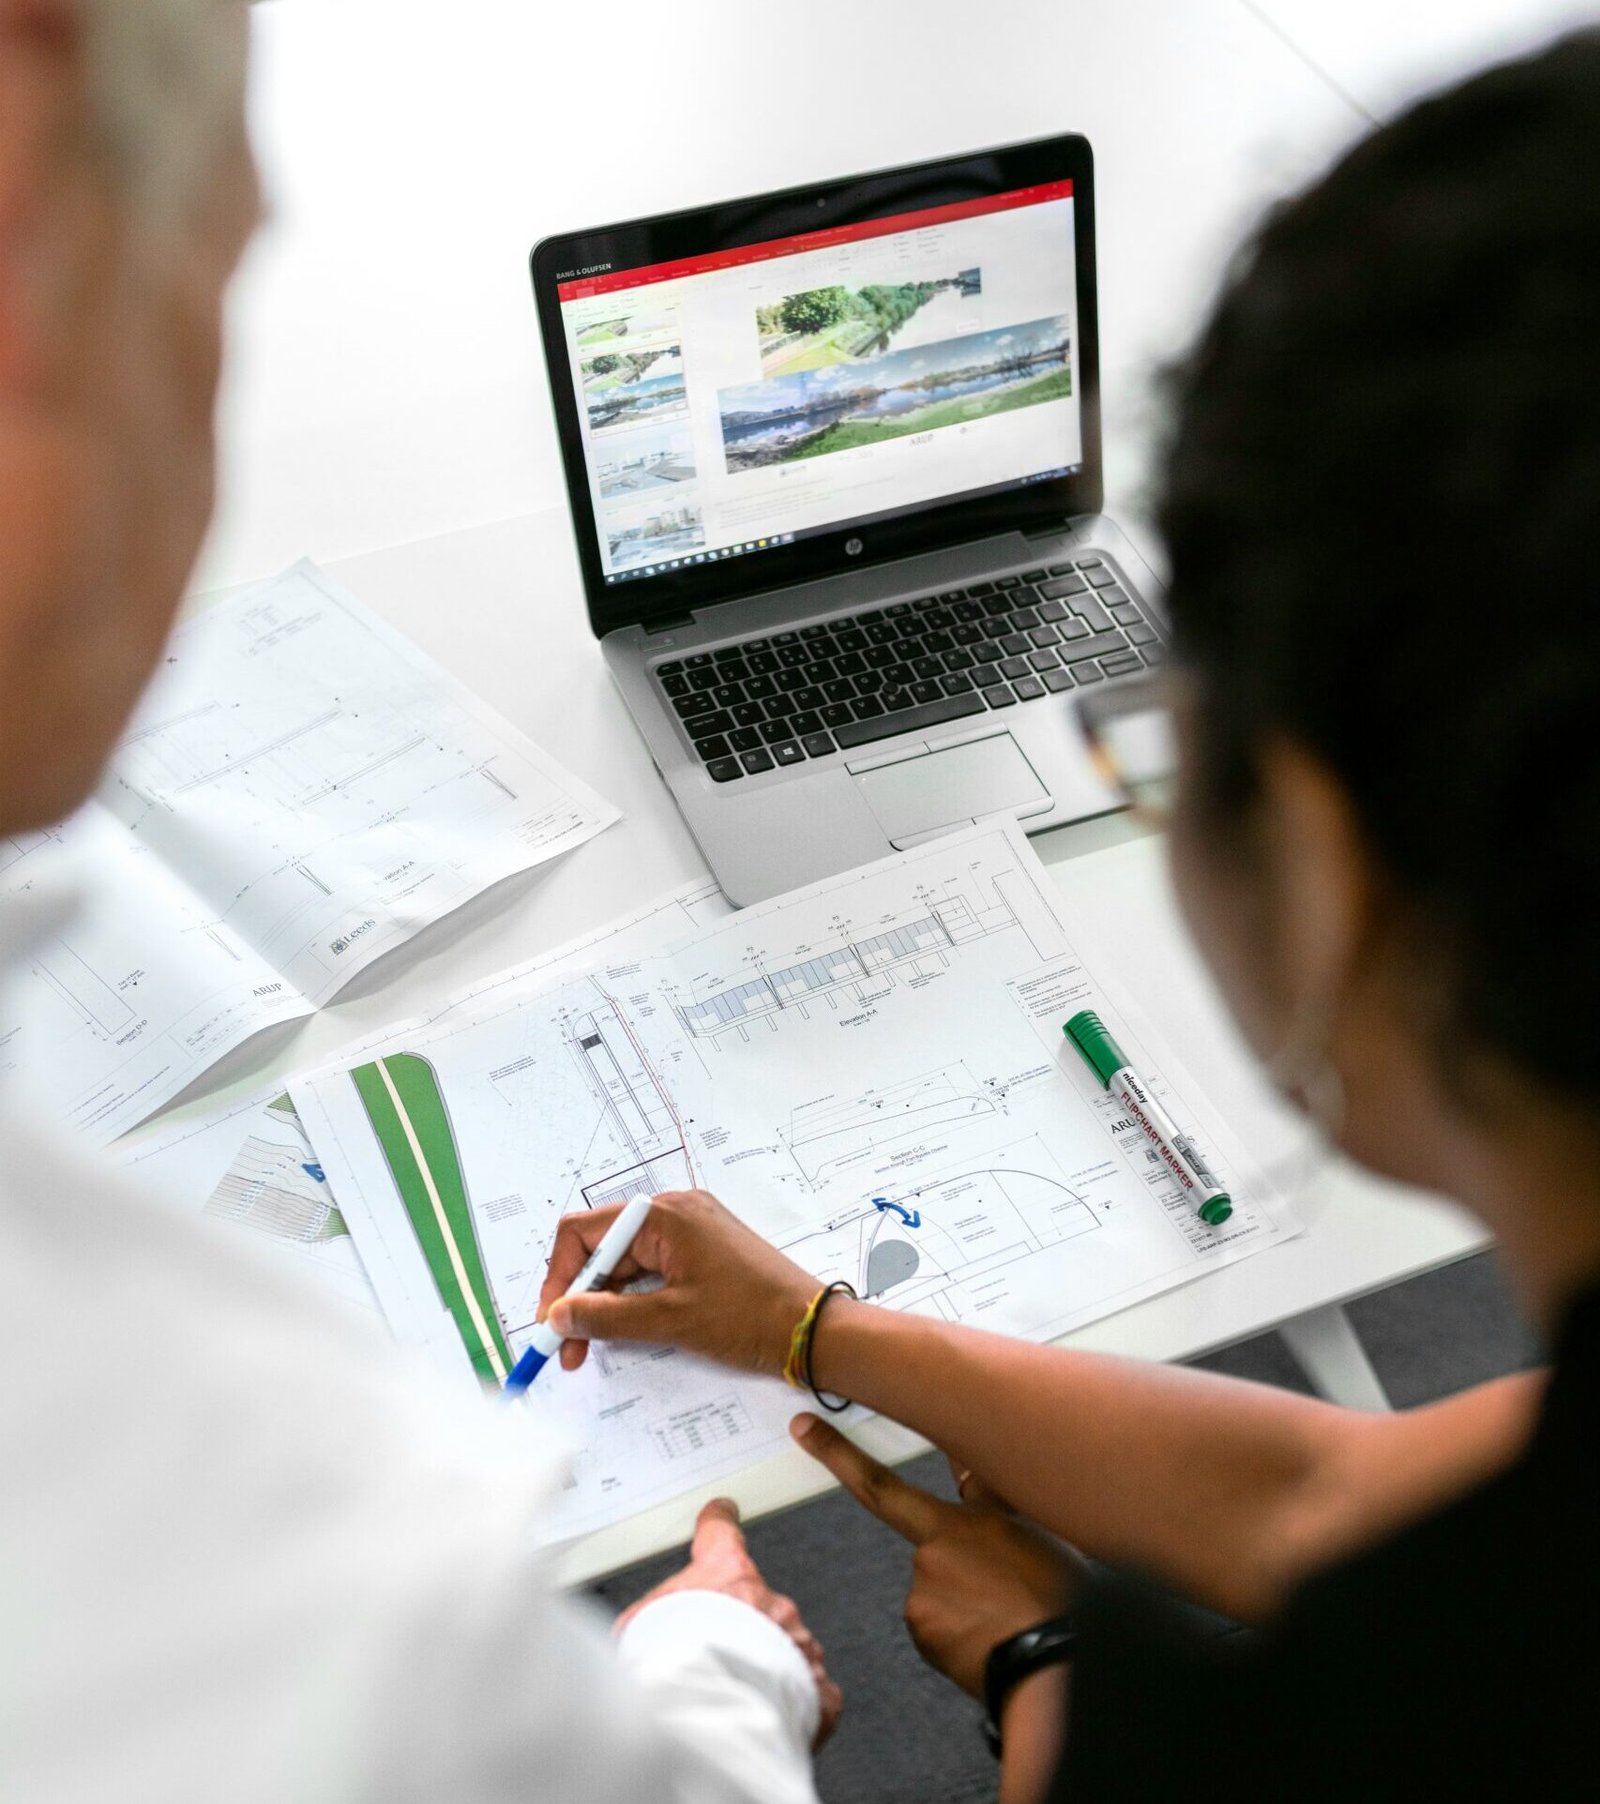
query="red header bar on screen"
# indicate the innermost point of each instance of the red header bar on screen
(612, 280)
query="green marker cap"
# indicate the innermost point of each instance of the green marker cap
(1093, 1039)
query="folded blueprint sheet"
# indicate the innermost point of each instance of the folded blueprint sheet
(870, 1071)
(301, 791)
(246, 1160)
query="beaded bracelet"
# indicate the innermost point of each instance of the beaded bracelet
(797, 1367)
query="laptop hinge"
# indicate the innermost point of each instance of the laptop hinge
(666, 623)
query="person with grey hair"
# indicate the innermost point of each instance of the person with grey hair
(241, 1556)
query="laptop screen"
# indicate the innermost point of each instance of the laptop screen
(749, 398)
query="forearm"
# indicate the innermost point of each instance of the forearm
(1228, 1491)
(1032, 1730)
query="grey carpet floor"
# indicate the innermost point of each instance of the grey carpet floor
(907, 1737)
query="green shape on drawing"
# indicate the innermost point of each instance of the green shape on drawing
(434, 1191)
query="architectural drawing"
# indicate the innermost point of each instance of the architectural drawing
(826, 1138)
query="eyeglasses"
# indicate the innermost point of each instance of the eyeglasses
(1133, 741)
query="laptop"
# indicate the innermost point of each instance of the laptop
(833, 460)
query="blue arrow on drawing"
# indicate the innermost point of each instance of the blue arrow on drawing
(909, 1216)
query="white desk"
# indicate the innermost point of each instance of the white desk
(469, 598)
(385, 388)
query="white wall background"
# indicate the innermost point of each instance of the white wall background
(385, 383)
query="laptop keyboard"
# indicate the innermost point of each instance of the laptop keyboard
(769, 702)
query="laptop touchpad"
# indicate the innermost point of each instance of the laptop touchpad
(920, 796)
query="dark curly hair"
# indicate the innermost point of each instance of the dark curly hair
(1382, 505)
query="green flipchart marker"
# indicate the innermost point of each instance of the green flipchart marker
(406, 1108)
(1176, 1149)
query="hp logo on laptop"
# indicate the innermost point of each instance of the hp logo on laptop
(852, 548)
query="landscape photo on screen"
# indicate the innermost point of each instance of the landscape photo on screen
(819, 326)
(629, 387)
(843, 406)
(650, 459)
(661, 531)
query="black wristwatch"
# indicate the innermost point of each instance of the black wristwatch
(1048, 1643)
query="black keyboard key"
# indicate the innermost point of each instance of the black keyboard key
(1099, 579)
(744, 739)
(1087, 672)
(895, 699)
(1110, 596)
(910, 720)
(925, 692)
(1000, 696)
(789, 681)
(808, 721)
(968, 611)
(1033, 576)
(785, 638)
(1057, 680)
(923, 603)
(760, 687)
(928, 668)
(867, 707)
(1015, 644)
(819, 671)
(761, 662)
(985, 675)
(937, 642)
(938, 620)
(977, 589)
(1139, 634)
(1028, 688)
(870, 618)
(675, 685)
(810, 696)
(818, 745)
(757, 644)
(1154, 656)
(704, 679)
(790, 657)
(898, 610)
(724, 770)
(699, 661)
(749, 713)
(689, 705)
(1087, 608)
(1008, 582)
(1044, 660)
(775, 731)
(899, 676)
(1024, 620)
(880, 657)
(756, 762)
(959, 659)
(1014, 667)
(1097, 645)
(788, 752)
(836, 714)
(734, 671)
(957, 683)
(1074, 628)
(869, 682)
(997, 607)
(907, 648)
(1059, 570)
(839, 690)
(1045, 635)
(1089, 563)
(967, 633)
(1123, 612)
(813, 632)
(710, 749)
(702, 726)
(1122, 664)
(854, 640)
(843, 620)
(727, 654)
(727, 695)
(950, 596)
(1068, 585)
(987, 651)
(780, 707)
(1052, 610)
(670, 668)
(850, 663)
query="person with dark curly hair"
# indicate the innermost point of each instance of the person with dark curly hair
(1382, 508)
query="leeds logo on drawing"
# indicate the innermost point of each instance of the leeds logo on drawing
(346, 940)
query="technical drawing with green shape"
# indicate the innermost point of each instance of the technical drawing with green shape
(407, 1112)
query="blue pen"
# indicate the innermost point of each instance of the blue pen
(544, 1342)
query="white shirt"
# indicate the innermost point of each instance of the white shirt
(247, 1552)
